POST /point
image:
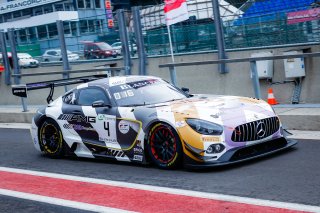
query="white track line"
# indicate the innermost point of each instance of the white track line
(213, 196)
(307, 135)
(61, 202)
(15, 125)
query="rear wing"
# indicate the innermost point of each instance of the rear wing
(22, 90)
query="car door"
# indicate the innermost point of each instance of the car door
(82, 117)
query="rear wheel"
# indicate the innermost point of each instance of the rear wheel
(51, 139)
(164, 146)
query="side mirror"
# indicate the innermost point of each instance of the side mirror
(99, 104)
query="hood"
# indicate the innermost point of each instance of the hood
(28, 60)
(73, 55)
(229, 111)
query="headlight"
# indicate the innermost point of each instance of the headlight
(205, 127)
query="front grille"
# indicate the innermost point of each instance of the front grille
(256, 130)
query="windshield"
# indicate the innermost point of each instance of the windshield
(104, 46)
(151, 91)
(116, 44)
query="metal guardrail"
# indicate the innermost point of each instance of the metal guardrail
(111, 69)
(251, 60)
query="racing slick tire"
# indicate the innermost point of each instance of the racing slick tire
(51, 139)
(164, 146)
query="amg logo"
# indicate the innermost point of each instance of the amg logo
(77, 118)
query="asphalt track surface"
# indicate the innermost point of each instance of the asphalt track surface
(291, 176)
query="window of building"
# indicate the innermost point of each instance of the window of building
(88, 3)
(91, 25)
(68, 7)
(48, 8)
(83, 26)
(58, 7)
(66, 27)
(97, 4)
(42, 32)
(98, 26)
(7, 17)
(52, 29)
(16, 14)
(73, 25)
(32, 34)
(23, 35)
(81, 4)
(27, 12)
(1, 19)
(37, 11)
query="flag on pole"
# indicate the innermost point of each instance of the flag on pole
(175, 11)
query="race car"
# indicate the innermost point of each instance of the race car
(146, 119)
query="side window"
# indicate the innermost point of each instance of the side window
(69, 98)
(51, 53)
(89, 95)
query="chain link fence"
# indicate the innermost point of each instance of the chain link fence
(252, 24)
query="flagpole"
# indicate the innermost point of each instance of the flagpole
(173, 73)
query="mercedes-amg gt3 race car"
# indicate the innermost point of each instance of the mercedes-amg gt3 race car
(145, 119)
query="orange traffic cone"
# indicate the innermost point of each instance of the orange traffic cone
(271, 99)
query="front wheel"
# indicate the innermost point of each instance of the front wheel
(51, 139)
(164, 146)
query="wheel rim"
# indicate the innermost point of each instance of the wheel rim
(163, 144)
(51, 138)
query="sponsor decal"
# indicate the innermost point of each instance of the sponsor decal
(77, 118)
(180, 124)
(103, 117)
(117, 81)
(77, 127)
(21, 92)
(138, 150)
(124, 127)
(210, 139)
(140, 84)
(138, 157)
(108, 140)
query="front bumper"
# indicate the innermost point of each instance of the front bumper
(238, 155)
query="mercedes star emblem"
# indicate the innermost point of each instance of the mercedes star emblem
(261, 129)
